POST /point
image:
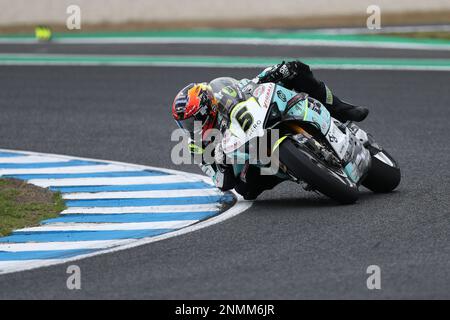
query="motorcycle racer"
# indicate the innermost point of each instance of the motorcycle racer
(210, 104)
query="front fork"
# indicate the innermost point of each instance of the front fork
(357, 159)
(347, 140)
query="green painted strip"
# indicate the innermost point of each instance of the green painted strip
(218, 61)
(241, 34)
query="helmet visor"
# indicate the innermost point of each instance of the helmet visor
(193, 124)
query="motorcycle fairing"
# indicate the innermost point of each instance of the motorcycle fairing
(270, 105)
(305, 109)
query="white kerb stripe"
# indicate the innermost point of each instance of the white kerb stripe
(110, 181)
(69, 170)
(32, 159)
(49, 246)
(176, 224)
(148, 209)
(143, 194)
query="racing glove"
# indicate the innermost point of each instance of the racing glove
(280, 72)
(221, 173)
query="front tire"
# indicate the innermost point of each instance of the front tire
(305, 166)
(384, 174)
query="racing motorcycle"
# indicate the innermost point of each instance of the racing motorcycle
(312, 148)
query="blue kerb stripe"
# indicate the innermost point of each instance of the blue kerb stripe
(10, 154)
(130, 217)
(41, 255)
(37, 165)
(69, 236)
(149, 201)
(87, 175)
(137, 187)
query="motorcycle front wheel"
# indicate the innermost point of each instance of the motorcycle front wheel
(304, 165)
(384, 173)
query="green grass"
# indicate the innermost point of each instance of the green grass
(23, 205)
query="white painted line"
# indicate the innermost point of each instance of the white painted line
(147, 209)
(244, 41)
(31, 159)
(143, 194)
(68, 170)
(108, 181)
(314, 66)
(47, 246)
(241, 41)
(175, 224)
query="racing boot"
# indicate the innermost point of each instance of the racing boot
(254, 183)
(344, 111)
(251, 191)
(339, 109)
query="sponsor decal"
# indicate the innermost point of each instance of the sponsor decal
(315, 106)
(281, 95)
(254, 127)
(284, 70)
(268, 95)
(258, 91)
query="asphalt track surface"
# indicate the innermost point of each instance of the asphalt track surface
(291, 244)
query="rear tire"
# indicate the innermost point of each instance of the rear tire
(303, 165)
(382, 177)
